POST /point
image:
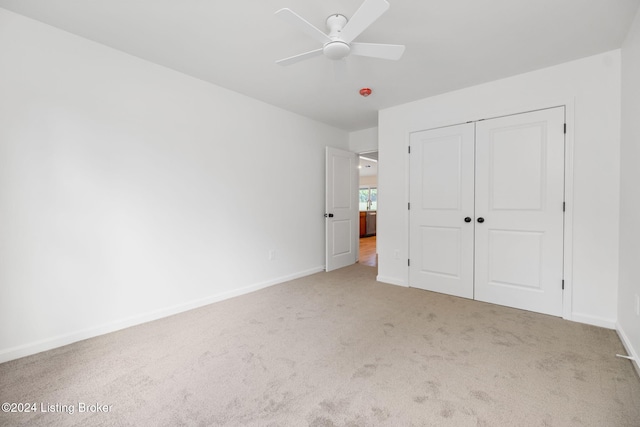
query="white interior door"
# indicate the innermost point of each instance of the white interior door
(519, 199)
(441, 194)
(341, 203)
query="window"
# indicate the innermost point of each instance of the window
(368, 199)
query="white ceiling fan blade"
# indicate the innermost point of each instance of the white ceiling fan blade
(297, 58)
(375, 50)
(302, 24)
(364, 16)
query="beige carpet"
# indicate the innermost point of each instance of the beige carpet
(335, 349)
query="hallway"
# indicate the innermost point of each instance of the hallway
(368, 251)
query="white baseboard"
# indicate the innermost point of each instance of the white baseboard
(392, 281)
(593, 320)
(65, 339)
(631, 352)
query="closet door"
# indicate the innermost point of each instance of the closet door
(441, 195)
(519, 211)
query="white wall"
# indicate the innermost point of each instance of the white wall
(591, 89)
(129, 191)
(364, 140)
(369, 180)
(629, 289)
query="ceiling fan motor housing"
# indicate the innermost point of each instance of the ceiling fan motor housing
(336, 48)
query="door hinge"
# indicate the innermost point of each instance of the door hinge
(564, 206)
(409, 263)
(563, 284)
(409, 206)
(409, 149)
(565, 128)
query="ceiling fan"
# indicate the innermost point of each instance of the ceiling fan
(338, 44)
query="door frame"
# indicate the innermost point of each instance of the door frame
(569, 118)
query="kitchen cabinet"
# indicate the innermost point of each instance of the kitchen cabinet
(367, 223)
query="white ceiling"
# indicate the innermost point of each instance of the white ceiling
(450, 44)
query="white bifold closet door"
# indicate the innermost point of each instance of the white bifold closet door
(486, 218)
(441, 197)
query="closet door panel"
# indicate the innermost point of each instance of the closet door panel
(441, 197)
(519, 196)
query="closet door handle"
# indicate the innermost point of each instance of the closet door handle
(480, 220)
(467, 219)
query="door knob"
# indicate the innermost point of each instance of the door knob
(328, 215)
(480, 220)
(467, 219)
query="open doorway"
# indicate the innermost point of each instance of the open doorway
(368, 206)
